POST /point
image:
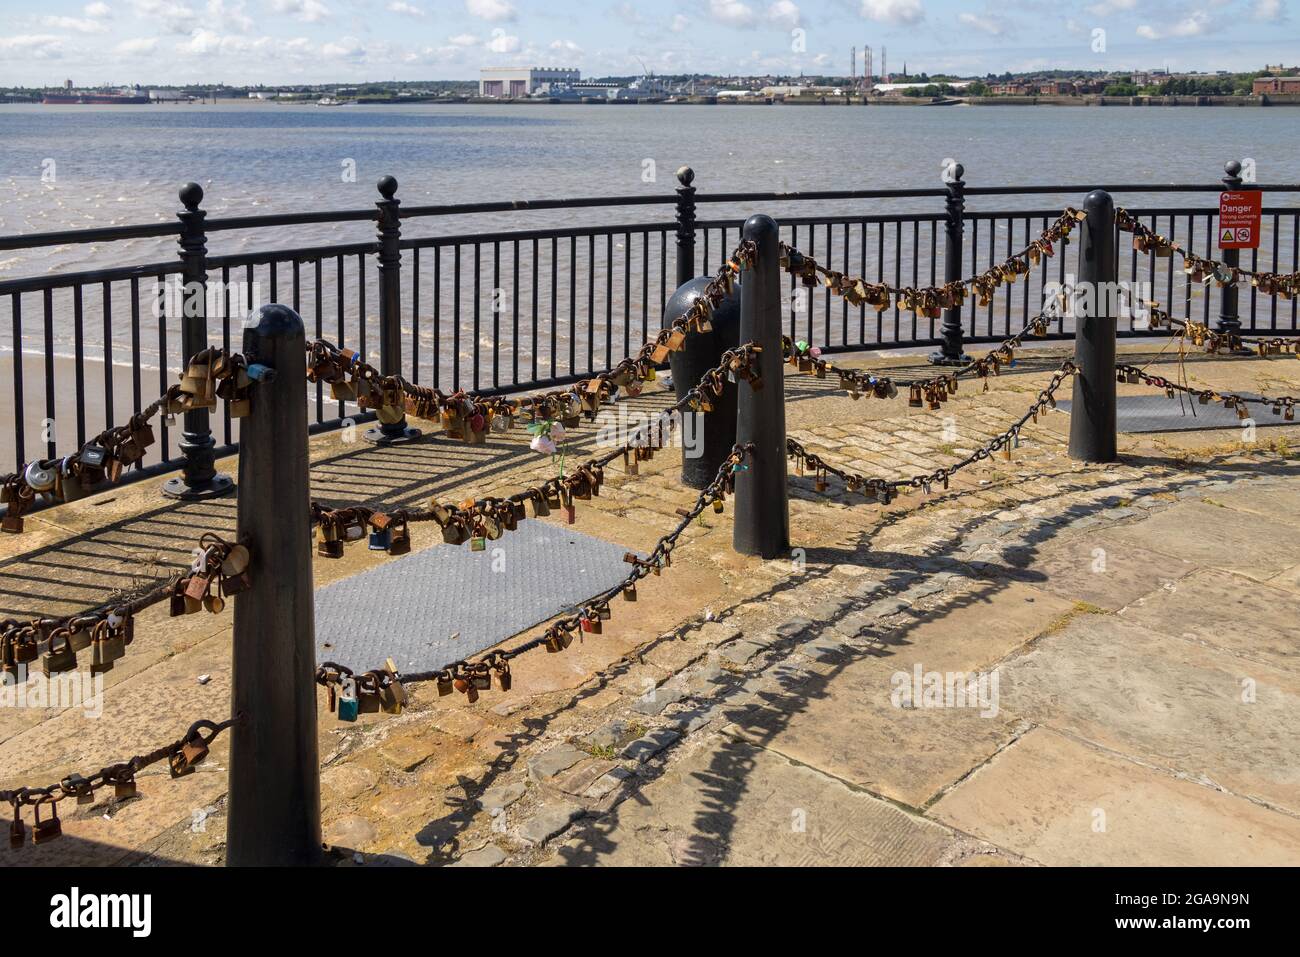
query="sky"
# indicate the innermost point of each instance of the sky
(318, 41)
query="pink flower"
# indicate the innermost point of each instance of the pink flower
(543, 444)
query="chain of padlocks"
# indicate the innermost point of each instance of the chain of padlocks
(182, 756)
(1201, 269)
(221, 569)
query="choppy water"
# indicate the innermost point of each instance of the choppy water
(65, 167)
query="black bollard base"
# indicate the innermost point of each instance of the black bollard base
(943, 359)
(395, 434)
(177, 488)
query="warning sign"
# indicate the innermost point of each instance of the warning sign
(1239, 216)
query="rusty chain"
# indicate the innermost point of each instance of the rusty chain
(182, 755)
(351, 693)
(883, 490)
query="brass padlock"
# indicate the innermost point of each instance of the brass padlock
(107, 646)
(48, 829)
(192, 751)
(79, 787)
(56, 659)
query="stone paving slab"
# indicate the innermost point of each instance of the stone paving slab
(1110, 577)
(1253, 620)
(1048, 797)
(1168, 703)
(731, 803)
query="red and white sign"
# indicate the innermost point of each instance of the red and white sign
(1239, 216)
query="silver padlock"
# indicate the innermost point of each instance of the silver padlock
(40, 477)
(93, 455)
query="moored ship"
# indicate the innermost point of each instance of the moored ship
(95, 98)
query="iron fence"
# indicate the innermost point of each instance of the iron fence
(507, 310)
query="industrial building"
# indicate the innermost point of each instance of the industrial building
(509, 81)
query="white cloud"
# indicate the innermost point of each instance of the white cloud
(988, 23)
(732, 12)
(40, 46)
(1190, 26)
(494, 11)
(566, 46)
(1111, 6)
(784, 13)
(347, 48)
(308, 11)
(231, 15)
(503, 42)
(680, 23)
(74, 24)
(893, 11)
(1269, 11)
(404, 8)
(464, 40)
(98, 11)
(140, 46)
(173, 15)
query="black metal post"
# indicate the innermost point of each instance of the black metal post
(762, 501)
(390, 307)
(1229, 322)
(686, 226)
(1092, 412)
(274, 800)
(950, 353)
(198, 478)
(715, 431)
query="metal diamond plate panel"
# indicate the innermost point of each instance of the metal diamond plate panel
(446, 603)
(1159, 413)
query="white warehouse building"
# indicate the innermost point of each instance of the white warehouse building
(509, 81)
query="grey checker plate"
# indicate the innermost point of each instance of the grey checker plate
(410, 607)
(1159, 413)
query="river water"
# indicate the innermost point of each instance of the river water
(68, 167)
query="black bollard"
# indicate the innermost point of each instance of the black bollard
(1092, 411)
(762, 499)
(710, 436)
(274, 800)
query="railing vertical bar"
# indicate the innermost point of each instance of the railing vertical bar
(496, 316)
(1006, 318)
(794, 283)
(20, 412)
(107, 306)
(136, 396)
(225, 344)
(645, 285)
(533, 266)
(455, 310)
(826, 310)
(627, 294)
(320, 334)
(1028, 278)
(974, 265)
(844, 303)
(1169, 279)
(437, 316)
(663, 275)
(514, 313)
(415, 315)
(934, 249)
(916, 265)
(1060, 277)
(609, 300)
(50, 424)
(274, 292)
(1295, 261)
(880, 271)
(163, 360)
(862, 271)
(706, 251)
(573, 304)
(810, 305)
(554, 300)
(361, 306)
(1209, 241)
(79, 350)
(993, 235)
(340, 309)
(1253, 291)
(591, 302)
(1187, 287)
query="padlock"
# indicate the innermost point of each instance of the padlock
(541, 508)
(400, 539)
(48, 829)
(368, 697)
(40, 477)
(124, 786)
(17, 829)
(347, 704)
(192, 751)
(445, 684)
(107, 646)
(392, 696)
(79, 787)
(629, 591)
(57, 660)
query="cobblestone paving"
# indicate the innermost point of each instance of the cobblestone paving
(1138, 618)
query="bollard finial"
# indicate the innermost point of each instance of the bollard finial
(191, 195)
(685, 175)
(273, 320)
(388, 186)
(1232, 168)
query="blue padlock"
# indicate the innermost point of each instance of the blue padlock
(347, 709)
(381, 539)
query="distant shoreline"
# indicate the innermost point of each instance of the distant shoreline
(1262, 100)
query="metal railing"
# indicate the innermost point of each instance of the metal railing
(503, 310)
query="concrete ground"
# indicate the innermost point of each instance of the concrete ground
(1130, 629)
